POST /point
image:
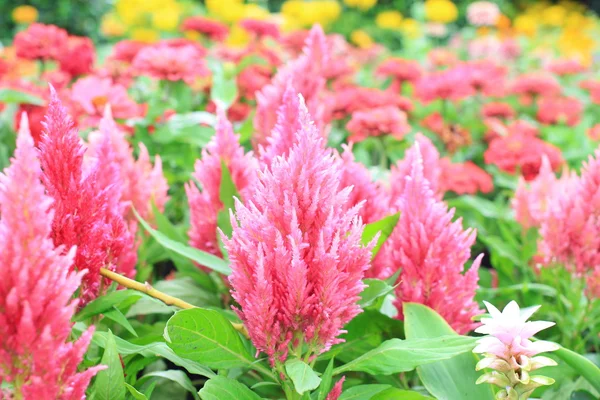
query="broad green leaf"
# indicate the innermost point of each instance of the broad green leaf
(363, 392)
(201, 257)
(398, 394)
(374, 290)
(302, 375)
(395, 355)
(227, 191)
(110, 382)
(385, 226)
(117, 316)
(106, 303)
(224, 88)
(221, 388)
(207, 337)
(325, 385)
(582, 365)
(176, 376)
(11, 96)
(135, 393)
(448, 379)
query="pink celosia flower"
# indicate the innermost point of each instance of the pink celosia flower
(530, 203)
(566, 67)
(91, 95)
(336, 391)
(43, 42)
(82, 216)
(510, 352)
(36, 290)
(260, 28)
(449, 84)
(523, 152)
(497, 110)
(557, 110)
(213, 29)
(79, 56)
(400, 70)
(431, 168)
(534, 84)
(306, 73)
(464, 178)
(143, 184)
(483, 13)
(387, 120)
(296, 256)
(170, 63)
(344, 102)
(205, 205)
(431, 251)
(126, 50)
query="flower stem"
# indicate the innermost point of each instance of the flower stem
(150, 291)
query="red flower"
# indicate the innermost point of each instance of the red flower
(39, 41)
(260, 28)
(79, 56)
(126, 50)
(253, 79)
(400, 70)
(377, 122)
(464, 178)
(434, 122)
(535, 84)
(556, 110)
(523, 152)
(347, 101)
(497, 110)
(214, 30)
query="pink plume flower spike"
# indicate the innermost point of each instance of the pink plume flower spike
(296, 255)
(510, 353)
(84, 216)
(36, 289)
(205, 204)
(431, 250)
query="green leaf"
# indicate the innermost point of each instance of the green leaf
(220, 388)
(135, 393)
(395, 355)
(582, 365)
(11, 96)
(363, 392)
(385, 226)
(208, 337)
(325, 385)
(201, 257)
(396, 394)
(449, 379)
(227, 191)
(117, 316)
(302, 375)
(374, 290)
(106, 303)
(110, 382)
(176, 376)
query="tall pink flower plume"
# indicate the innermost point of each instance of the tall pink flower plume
(306, 73)
(206, 204)
(296, 256)
(36, 289)
(85, 213)
(431, 251)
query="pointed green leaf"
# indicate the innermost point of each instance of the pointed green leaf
(374, 290)
(302, 375)
(363, 392)
(582, 365)
(398, 394)
(117, 316)
(221, 388)
(110, 382)
(106, 303)
(227, 191)
(385, 226)
(135, 393)
(325, 385)
(176, 376)
(11, 96)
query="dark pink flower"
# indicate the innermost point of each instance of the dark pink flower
(260, 28)
(450, 84)
(41, 42)
(213, 29)
(170, 63)
(78, 57)
(126, 50)
(535, 84)
(387, 120)
(563, 67)
(400, 69)
(557, 110)
(346, 101)
(497, 110)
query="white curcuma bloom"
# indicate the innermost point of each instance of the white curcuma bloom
(510, 353)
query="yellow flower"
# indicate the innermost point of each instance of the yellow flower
(441, 11)
(112, 26)
(361, 39)
(363, 5)
(145, 35)
(25, 14)
(167, 19)
(298, 14)
(192, 35)
(229, 11)
(410, 27)
(390, 19)
(554, 15)
(238, 37)
(255, 11)
(525, 25)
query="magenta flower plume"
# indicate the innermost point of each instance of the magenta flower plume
(36, 289)
(206, 204)
(85, 214)
(296, 256)
(306, 73)
(431, 252)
